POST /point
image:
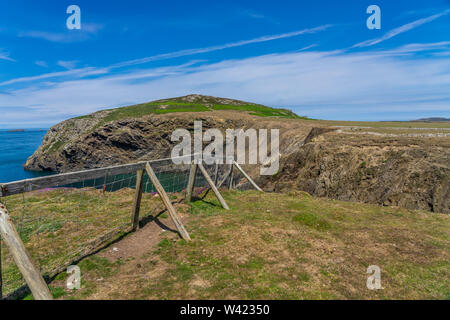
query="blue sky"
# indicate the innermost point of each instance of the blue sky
(317, 58)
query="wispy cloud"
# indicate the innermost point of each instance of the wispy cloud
(323, 84)
(394, 32)
(75, 73)
(256, 15)
(5, 56)
(41, 64)
(86, 31)
(189, 52)
(91, 27)
(67, 64)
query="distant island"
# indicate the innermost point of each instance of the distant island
(432, 119)
(16, 130)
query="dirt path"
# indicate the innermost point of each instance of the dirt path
(143, 240)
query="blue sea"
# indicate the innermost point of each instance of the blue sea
(15, 148)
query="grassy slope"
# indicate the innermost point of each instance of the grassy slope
(274, 246)
(57, 224)
(388, 124)
(174, 105)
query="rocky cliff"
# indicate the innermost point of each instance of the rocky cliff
(401, 171)
(387, 169)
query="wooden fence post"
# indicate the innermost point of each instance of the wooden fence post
(191, 181)
(137, 199)
(230, 186)
(213, 187)
(1, 274)
(247, 176)
(224, 178)
(165, 198)
(32, 276)
(216, 174)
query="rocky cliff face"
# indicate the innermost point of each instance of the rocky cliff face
(73, 145)
(412, 172)
(408, 172)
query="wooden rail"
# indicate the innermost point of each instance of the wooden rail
(11, 188)
(27, 185)
(21, 257)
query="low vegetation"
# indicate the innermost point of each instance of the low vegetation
(59, 225)
(279, 246)
(179, 105)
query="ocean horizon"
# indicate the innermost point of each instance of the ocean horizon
(16, 147)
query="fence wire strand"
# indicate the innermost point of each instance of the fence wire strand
(61, 223)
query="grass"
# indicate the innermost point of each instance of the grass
(174, 106)
(387, 124)
(259, 110)
(144, 109)
(56, 224)
(284, 246)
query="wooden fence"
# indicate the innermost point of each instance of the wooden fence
(16, 247)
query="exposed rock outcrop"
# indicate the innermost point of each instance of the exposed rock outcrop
(408, 171)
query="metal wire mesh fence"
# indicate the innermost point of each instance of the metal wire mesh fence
(67, 221)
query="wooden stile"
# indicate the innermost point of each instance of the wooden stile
(165, 198)
(213, 187)
(137, 199)
(32, 276)
(247, 176)
(191, 181)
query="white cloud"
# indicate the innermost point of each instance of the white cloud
(5, 56)
(394, 32)
(67, 64)
(190, 52)
(320, 84)
(91, 27)
(69, 73)
(51, 36)
(41, 64)
(87, 29)
(82, 72)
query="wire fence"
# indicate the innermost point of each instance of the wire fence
(65, 222)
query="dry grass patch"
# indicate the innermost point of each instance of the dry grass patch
(262, 249)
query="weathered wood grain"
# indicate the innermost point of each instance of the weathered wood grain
(62, 179)
(165, 198)
(21, 257)
(213, 187)
(27, 185)
(191, 181)
(247, 176)
(137, 199)
(1, 274)
(230, 186)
